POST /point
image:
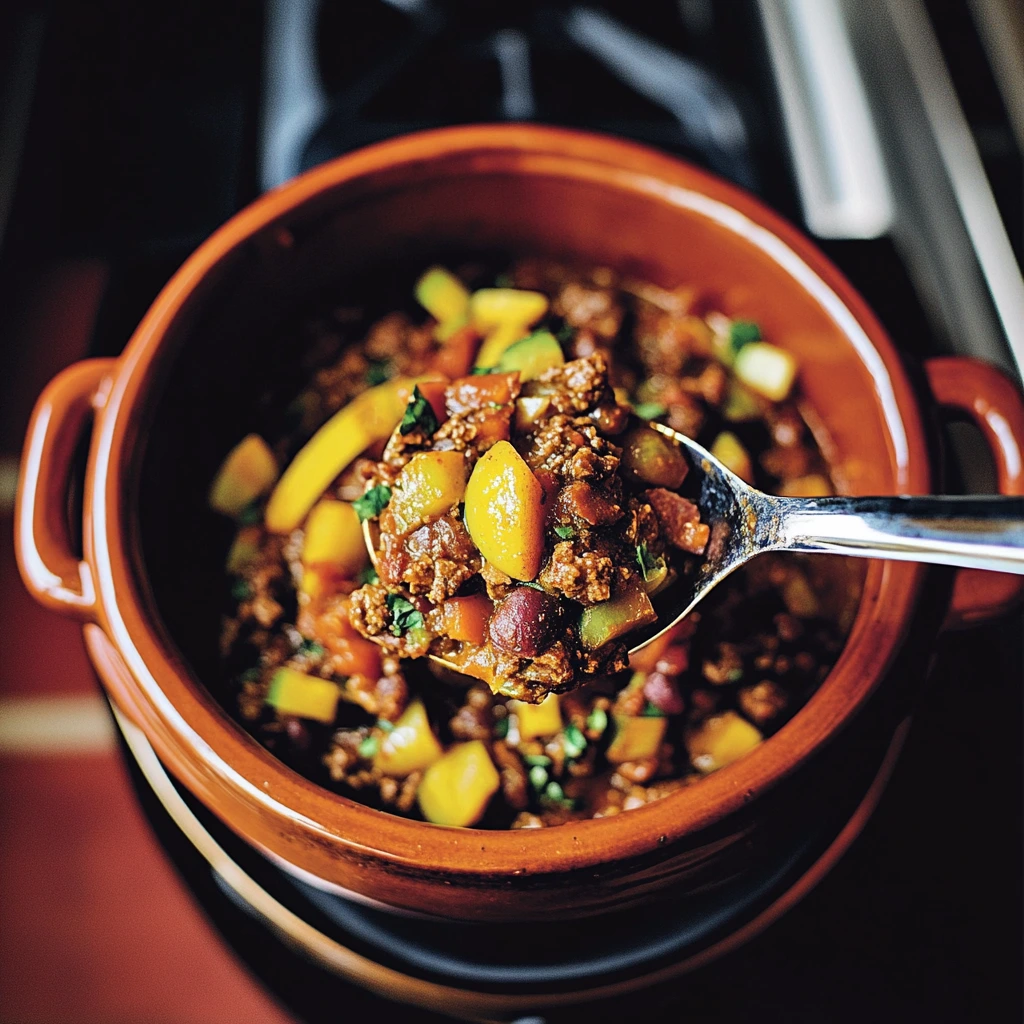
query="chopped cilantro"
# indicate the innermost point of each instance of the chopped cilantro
(652, 711)
(240, 590)
(419, 415)
(372, 503)
(565, 532)
(311, 648)
(252, 514)
(538, 776)
(501, 728)
(482, 371)
(597, 721)
(554, 796)
(384, 725)
(378, 372)
(649, 410)
(369, 747)
(741, 332)
(565, 333)
(647, 562)
(404, 614)
(368, 575)
(573, 741)
(251, 675)
(533, 585)
(537, 760)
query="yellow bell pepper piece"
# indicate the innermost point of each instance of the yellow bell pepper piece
(334, 537)
(729, 451)
(767, 369)
(456, 789)
(442, 295)
(498, 342)
(504, 513)
(490, 307)
(543, 719)
(294, 693)
(720, 740)
(428, 486)
(636, 738)
(410, 746)
(369, 417)
(249, 470)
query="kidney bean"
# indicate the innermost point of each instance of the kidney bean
(663, 692)
(525, 622)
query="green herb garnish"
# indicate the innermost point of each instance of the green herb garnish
(573, 741)
(368, 575)
(384, 725)
(652, 711)
(565, 334)
(538, 776)
(597, 721)
(554, 796)
(311, 648)
(501, 728)
(251, 675)
(369, 747)
(482, 371)
(372, 503)
(533, 586)
(741, 332)
(240, 590)
(377, 373)
(252, 514)
(647, 562)
(404, 614)
(649, 410)
(565, 532)
(419, 415)
(537, 760)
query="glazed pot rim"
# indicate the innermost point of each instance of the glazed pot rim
(193, 733)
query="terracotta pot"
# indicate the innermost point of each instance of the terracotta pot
(166, 411)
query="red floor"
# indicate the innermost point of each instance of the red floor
(94, 924)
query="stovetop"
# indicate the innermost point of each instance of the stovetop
(131, 131)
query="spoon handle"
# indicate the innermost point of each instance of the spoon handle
(974, 532)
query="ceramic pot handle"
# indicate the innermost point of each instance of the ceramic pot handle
(55, 577)
(995, 404)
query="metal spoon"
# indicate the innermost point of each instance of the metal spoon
(974, 532)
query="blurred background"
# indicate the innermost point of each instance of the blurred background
(892, 131)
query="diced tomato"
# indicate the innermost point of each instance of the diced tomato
(494, 424)
(455, 357)
(354, 656)
(465, 618)
(472, 393)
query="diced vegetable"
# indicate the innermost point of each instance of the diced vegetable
(729, 450)
(294, 693)
(455, 357)
(498, 341)
(636, 738)
(244, 549)
(491, 307)
(442, 295)
(741, 404)
(531, 410)
(429, 485)
(504, 512)
(652, 458)
(465, 618)
(249, 470)
(456, 789)
(537, 720)
(814, 485)
(532, 356)
(720, 740)
(369, 417)
(410, 746)
(611, 619)
(334, 538)
(768, 369)
(481, 391)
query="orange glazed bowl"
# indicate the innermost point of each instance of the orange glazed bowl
(186, 387)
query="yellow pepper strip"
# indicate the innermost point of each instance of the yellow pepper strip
(369, 417)
(442, 294)
(498, 341)
(248, 471)
(492, 307)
